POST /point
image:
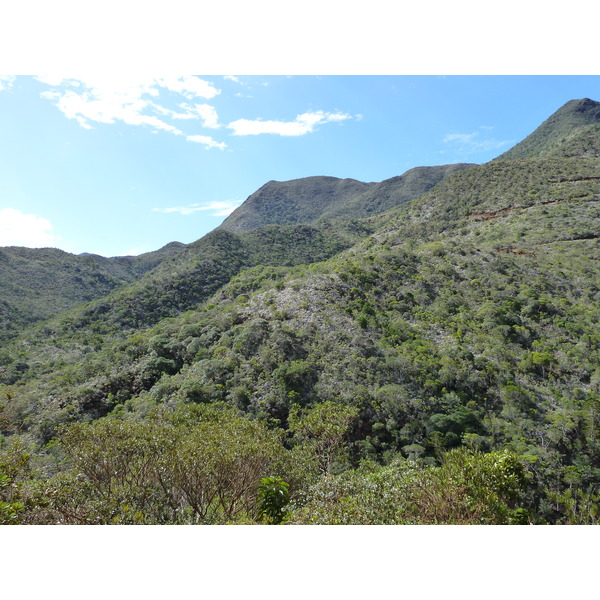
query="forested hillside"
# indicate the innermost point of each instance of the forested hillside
(36, 284)
(438, 362)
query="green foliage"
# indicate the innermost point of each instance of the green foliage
(36, 284)
(17, 499)
(459, 331)
(9, 511)
(485, 486)
(468, 488)
(324, 429)
(273, 497)
(197, 465)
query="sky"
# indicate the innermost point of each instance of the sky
(120, 165)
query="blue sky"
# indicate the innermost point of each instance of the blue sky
(119, 165)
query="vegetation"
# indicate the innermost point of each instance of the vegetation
(572, 120)
(436, 363)
(312, 199)
(36, 284)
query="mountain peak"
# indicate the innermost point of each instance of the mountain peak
(583, 105)
(573, 130)
(296, 201)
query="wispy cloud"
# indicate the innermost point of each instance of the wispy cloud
(190, 86)
(152, 102)
(472, 142)
(217, 208)
(134, 101)
(246, 83)
(6, 82)
(206, 141)
(301, 125)
(31, 231)
(206, 112)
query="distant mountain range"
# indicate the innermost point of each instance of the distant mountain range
(39, 283)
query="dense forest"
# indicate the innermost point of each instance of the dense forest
(424, 350)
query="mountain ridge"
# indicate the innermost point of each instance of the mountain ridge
(308, 199)
(25, 301)
(567, 121)
(38, 283)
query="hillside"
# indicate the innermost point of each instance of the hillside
(289, 202)
(36, 284)
(435, 363)
(556, 134)
(312, 198)
(395, 191)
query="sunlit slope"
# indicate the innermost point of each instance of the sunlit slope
(312, 198)
(576, 119)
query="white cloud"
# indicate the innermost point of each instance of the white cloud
(107, 107)
(217, 208)
(6, 82)
(148, 101)
(207, 141)
(471, 142)
(304, 123)
(206, 112)
(31, 231)
(134, 101)
(189, 86)
(463, 138)
(51, 79)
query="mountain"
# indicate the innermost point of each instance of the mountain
(395, 191)
(312, 198)
(438, 362)
(571, 130)
(36, 284)
(289, 202)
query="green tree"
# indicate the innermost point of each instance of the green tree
(469, 487)
(324, 430)
(273, 497)
(200, 464)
